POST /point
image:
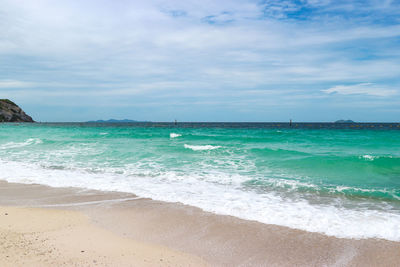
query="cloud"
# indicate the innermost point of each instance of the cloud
(361, 89)
(361, 11)
(15, 84)
(136, 51)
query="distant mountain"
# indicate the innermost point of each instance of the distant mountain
(10, 112)
(114, 121)
(344, 121)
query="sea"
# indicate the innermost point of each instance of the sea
(337, 179)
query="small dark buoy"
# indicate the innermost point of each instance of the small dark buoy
(176, 122)
(290, 123)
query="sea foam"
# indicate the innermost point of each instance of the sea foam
(199, 148)
(196, 190)
(30, 141)
(174, 135)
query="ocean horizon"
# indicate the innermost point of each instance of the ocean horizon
(232, 124)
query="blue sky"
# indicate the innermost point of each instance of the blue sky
(236, 60)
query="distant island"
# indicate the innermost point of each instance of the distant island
(11, 112)
(344, 121)
(114, 121)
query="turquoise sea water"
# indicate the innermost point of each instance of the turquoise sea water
(338, 180)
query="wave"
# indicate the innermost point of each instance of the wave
(200, 148)
(369, 157)
(30, 141)
(269, 207)
(372, 157)
(292, 185)
(174, 135)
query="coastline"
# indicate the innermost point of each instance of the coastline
(190, 235)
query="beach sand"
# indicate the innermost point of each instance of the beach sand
(45, 237)
(44, 226)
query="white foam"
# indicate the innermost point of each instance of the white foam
(174, 135)
(369, 157)
(222, 198)
(30, 141)
(295, 184)
(199, 148)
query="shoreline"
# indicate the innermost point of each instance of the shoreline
(201, 237)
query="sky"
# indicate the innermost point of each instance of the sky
(221, 60)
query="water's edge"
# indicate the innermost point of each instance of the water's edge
(339, 182)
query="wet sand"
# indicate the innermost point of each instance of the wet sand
(153, 233)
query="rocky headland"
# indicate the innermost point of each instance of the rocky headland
(11, 112)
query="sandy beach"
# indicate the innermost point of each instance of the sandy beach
(45, 237)
(44, 226)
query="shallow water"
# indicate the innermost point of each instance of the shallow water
(341, 180)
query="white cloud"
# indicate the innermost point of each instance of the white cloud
(102, 49)
(362, 88)
(14, 84)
